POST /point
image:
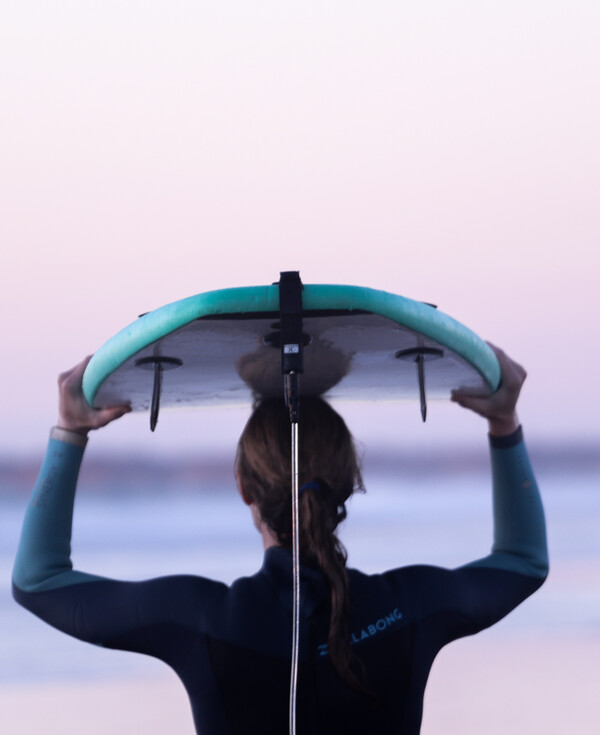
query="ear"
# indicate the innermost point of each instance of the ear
(245, 497)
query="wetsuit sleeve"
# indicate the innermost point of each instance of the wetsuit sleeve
(43, 560)
(479, 594)
(96, 609)
(451, 603)
(519, 527)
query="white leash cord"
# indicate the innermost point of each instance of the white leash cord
(296, 582)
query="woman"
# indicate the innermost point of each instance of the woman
(367, 641)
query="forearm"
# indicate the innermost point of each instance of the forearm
(43, 558)
(519, 525)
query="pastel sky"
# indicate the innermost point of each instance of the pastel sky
(445, 151)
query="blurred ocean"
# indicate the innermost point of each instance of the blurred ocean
(170, 519)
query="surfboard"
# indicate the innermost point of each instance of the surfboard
(224, 347)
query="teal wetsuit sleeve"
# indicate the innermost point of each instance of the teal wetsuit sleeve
(107, 612)
(519, 526)
(43, 560)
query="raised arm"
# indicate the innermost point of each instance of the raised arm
(519, 526)
(43, 558)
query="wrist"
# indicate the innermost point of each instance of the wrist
(503, 426)
(66, 425)
(69, 436)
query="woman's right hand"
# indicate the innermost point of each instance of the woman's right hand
(74, 412)
(498, 408)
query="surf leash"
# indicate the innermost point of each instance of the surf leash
(292, 366)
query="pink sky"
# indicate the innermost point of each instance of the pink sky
(445, 151)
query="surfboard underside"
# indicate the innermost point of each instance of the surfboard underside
(231, 358)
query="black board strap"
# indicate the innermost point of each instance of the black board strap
(290, 310)
(292, 342)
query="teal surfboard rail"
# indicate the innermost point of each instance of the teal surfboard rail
(415, 315)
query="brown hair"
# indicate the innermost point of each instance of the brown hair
(327, 456)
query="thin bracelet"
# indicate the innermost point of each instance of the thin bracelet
(66, 435)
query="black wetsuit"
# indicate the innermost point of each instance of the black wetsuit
(230, 645)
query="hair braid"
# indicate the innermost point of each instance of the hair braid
(328, 458)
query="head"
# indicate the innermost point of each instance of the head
(327, 457)
(327, 463)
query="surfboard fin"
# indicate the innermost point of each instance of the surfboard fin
(158, 364)
(421, 355)
(422, 397)
(156, 391)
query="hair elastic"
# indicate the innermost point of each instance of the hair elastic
(310, 486)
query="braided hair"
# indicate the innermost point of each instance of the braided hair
(329, 470)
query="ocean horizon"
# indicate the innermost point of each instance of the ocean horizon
(210, 470)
